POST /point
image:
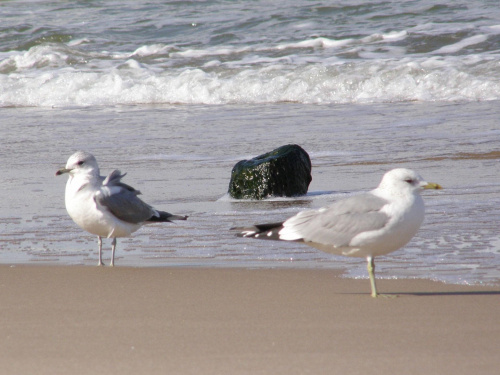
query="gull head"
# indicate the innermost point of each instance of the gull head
(405, 181)
(80, 162)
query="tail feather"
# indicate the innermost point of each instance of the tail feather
(268, 231)
(166, 216)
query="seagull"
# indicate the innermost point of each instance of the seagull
(105, 206)
(366, 225)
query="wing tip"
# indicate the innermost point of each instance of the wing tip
(260, 231)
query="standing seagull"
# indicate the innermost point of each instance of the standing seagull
(367, 225)
(105, 207)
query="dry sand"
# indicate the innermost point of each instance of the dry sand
(90, 320)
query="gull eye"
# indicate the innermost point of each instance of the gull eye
(409, 180)
(81, 162)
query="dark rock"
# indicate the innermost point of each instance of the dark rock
(283, 172)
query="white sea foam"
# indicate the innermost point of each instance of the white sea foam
(395, 35)
(133, 82)
(154, 49)
(316, 43)
(35, 58)
(77, 42)
(455, 47)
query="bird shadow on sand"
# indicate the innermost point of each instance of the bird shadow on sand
(434, 294)
(451, 293)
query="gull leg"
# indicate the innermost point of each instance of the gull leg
(99, 242)
(371, 273)
(113, 247)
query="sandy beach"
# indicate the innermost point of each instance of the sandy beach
(91, 320)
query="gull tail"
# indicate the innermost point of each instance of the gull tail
(165, 216)
(268, 231)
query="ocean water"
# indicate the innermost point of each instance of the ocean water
(175, 93)
(59, 53)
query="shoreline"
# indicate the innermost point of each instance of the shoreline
(184, 320)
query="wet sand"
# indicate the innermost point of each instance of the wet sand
(91, 320)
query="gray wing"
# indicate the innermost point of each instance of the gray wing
(338, 223)
(122, 201)
(114, 179)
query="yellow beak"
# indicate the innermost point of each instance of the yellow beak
(62, 171)
(432, 185)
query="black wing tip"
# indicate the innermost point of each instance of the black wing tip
(262, 231)
(179, 217)
(167, 217)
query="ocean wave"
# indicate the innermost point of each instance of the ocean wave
(455, 47)
(378, 67)
(131, 82)
(421, 41)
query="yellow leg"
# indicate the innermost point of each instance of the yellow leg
(113, 248)
(99, 242)
(371, 273)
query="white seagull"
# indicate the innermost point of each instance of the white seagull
(366, 225)
(103, 206)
